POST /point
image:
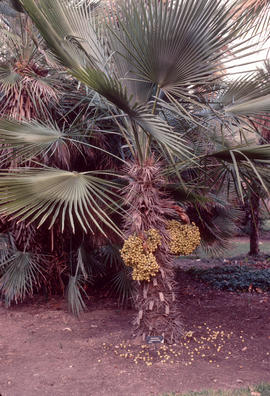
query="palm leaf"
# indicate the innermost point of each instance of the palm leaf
(6, 246)
(217, 221)
(28, 140)
(76, 305)
(258, 153)
(70, 31)
(75, 288)
(8, 77)
(25, 92)
(25, 140)
(48, 194)
(20, 275)
(191, 34)
(172, 45)
(251, 107)
(123, 286)
(243, 168)
(257, 12)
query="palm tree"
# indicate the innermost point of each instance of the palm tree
(158, 68)
(27, 83)
(29, 90)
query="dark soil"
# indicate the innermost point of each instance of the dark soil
(46, 351)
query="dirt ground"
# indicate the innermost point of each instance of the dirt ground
(46, 351)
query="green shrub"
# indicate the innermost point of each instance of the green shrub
(234, 278)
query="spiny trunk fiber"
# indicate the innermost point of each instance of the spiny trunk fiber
(149, 208)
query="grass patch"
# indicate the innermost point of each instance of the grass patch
(240, 248)
(266, 225)
(259, 390)
(233, 278)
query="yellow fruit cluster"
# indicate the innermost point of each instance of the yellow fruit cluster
(145, 268)
(138, 254)
(185, 238)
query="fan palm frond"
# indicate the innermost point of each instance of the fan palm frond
(123, 286)
(217, 221)
(28, 140)
(244, 165)
(25, 92)
(70, 31)
(75, 292)
(258, 12)
(75, 289)
(6, 246)
(155, 42)
(251, 107)
(258, 153)
(171, 45)
(46, 194)
(21, 274)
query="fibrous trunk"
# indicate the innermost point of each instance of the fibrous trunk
(149, 208)
(254, 225)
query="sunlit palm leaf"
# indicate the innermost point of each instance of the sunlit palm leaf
(106, 86)
(260, 153)
(161, 132)
(251, 107)
(68, 30)
(28, 140)
(151, 124)
(48, 194)
(243, 89)
(191, 36)
(172, 44)
(258, 15)
(236, 106)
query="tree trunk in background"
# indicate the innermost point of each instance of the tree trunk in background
(254, 225)
(254, 206)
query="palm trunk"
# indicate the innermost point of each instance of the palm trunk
(148, 206)
(254, 225)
